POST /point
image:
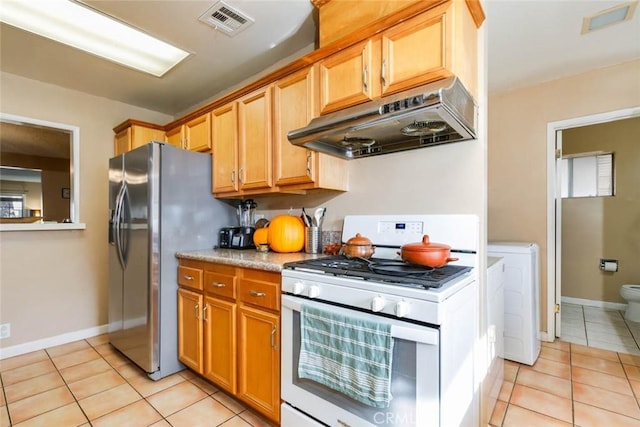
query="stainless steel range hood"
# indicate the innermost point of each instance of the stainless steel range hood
(437, 113)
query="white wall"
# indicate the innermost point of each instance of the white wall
(55, 282)
(518, 148)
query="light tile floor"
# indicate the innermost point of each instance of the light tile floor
(571, 385)
(598, 327)
(88, 383)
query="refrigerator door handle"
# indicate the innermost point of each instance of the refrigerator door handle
(125, 225)
(117, 225)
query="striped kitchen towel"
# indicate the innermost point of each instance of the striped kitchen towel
(348, 354)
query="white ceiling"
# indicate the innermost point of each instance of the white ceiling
(528, 42)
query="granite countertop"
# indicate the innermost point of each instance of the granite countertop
(248, 258)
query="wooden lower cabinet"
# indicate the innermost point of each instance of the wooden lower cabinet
(229, 330)
(190, 329)
(220, 343)
(259, 359)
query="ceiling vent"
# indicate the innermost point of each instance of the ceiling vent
(226, 18)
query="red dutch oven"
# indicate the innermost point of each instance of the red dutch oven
(426, 253)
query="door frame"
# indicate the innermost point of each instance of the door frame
(554, 209)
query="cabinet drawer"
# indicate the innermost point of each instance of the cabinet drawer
(190, 277)
(261, 294)
(220, 285)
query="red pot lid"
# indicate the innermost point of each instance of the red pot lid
(425, 246)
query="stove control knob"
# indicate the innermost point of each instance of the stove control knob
(377, 304)
(314, 291)
(298, 287)
(402, 308)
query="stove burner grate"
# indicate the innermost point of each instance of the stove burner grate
(381, 270)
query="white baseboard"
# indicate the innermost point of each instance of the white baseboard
(28, 347)
(594, 303)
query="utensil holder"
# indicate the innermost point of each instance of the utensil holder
(313, 240)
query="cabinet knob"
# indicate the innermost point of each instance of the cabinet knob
(187, 277)
(218, 285)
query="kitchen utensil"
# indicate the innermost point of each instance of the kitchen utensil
(306, 218)
(358, 247)
(426, 253)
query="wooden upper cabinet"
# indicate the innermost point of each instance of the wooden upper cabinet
(133, 135)
(174, 137)
(255, 140)
(346, 78)
(294, 105)
(417, 51)
(197, 133)
(224, 125)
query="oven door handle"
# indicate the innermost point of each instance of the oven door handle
(403, 330)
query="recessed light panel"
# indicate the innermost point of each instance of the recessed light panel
(79, 26)
(605, 18)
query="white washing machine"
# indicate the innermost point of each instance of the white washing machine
(521, 299)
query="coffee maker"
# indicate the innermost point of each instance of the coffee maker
(240, 237)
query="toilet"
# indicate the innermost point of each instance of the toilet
(631, 293)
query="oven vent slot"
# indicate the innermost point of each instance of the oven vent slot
(226, 18)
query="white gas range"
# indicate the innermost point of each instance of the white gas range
(432, 318)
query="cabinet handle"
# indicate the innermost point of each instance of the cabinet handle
(257, 294)
(197, 310)
(384, 80)
(204, 312)
(187, 277)
(364, 79)
(309, 163)
(240, 176)
(218, 285)
(273, 337)
(233, 177)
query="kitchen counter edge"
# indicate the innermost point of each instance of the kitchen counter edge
(247, 258)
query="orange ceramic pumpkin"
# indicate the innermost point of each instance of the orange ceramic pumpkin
(261, 236)
(286, 234)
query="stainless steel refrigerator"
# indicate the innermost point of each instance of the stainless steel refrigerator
(160, 202)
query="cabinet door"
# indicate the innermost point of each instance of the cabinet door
(174, 137)
(294, 105)
(141, 135)
(198, 133)
(220, 343)
(347, 77)
(224, 137)
(255, 140)
(259, 359)
(190, 329)
(415, 52)
(122, 142)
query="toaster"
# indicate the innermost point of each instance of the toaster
(236, 238)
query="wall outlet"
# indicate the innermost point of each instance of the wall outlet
(5, 330)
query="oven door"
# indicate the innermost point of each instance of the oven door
(415, 387)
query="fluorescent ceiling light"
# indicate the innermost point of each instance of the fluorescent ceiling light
(84, 28)
(614, 15)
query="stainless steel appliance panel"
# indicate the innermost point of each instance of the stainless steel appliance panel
(164, 204)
